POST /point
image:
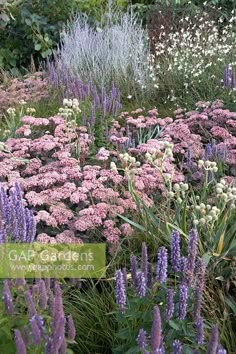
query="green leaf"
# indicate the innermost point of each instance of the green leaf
(37, 46)
(132, 223)
(174, 325)
(28, 21)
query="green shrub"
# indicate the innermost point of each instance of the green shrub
(31, 29)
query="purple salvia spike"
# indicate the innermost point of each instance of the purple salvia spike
(124, 276)
(120, 291)
(156, 331)
(198, 291)
(144, 260)
(162, 261)
(26, 335)
(226, 75)
(42, 295)
(177, 347)
(3, 235)
(199, 325)
(133, 262)
(169, 304)
(141, 286)
(7, 299)
(142, 339)
(20, 345)
(30, 303)
(58, 335)
(36, 333)
(175, 251)
(183, 301)
(70, 329)
(192, 254)
(58, 311)
(63, 348)
(214, 341)
(149, 276)
(221, 351)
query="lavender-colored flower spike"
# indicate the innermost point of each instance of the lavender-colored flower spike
(214, 341)
(221, 351)
(70, 329)
(124, 276)
(36, 333)
(149, 276)
(7, 298)
(133, 262)
(162, 261)
(175, 252)
(192, 254)
(30, 303)
(144, 261)
(198, 292)
(20, 345)
(141, 285)
(142, 339)
(199, 331)
(17, 221)
(169, 304)
(156, 331)
(183, 301)
(177, 347)
(42, 295)
(120, 290)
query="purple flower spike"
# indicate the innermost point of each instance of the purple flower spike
(142, 339)
(133, 262)
(175, 252)
(214, 341)
(42, 295)
(141, 285)
(20, 345)
(192, 254)
(7, 298)
(36, 333)
(156, 331)
(183, 301)
(120, 291)
(71, 328)
(221, 351)
(144, 262)
(169, 304)
(200, 331)
(30, 303)
(177, 347)
(162, 261)
(149, 276)
(198, 292)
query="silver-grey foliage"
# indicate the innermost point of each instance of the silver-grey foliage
(117, 53)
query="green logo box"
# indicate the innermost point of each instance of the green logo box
(37, 260)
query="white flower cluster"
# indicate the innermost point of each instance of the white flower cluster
(129, 160)
(30, 110)
(194, 54)
(179, 191)
(205, 214)
(70, 108)
(73, 104)
(208, 165)
(155, 154)
(11, 111)
(226, 193)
